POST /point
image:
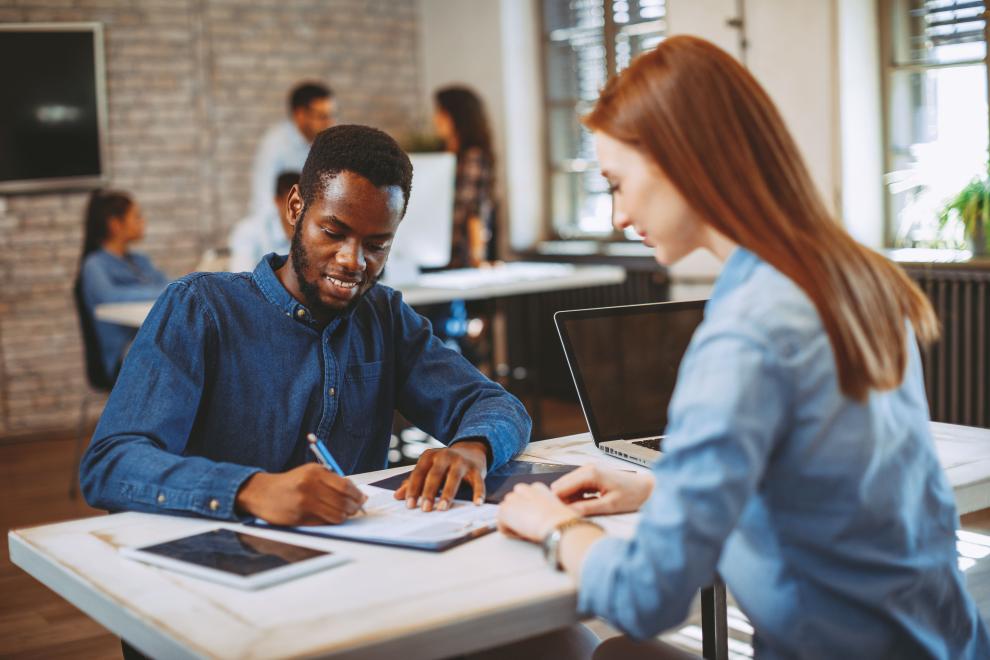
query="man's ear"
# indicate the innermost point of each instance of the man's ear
(295, 205)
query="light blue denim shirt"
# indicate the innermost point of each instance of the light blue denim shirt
(830, 520)
(107, 278)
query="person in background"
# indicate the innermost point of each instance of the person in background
(460, 121)
(462, 125)
(284, 148)
(109, 272)
(798, 461)
(251, 238)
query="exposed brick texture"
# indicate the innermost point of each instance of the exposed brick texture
(191, 87)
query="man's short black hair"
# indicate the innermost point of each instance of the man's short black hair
(360, 149)
(284, 183)
(305, 93)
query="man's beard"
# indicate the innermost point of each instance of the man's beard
(311, 289)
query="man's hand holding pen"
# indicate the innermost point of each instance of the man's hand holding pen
(439, 473)
(307, 495)
(318, 493)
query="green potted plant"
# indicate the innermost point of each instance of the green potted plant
(971, 206)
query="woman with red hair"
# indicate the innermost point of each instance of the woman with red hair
(798, 463)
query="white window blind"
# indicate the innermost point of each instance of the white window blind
(937, 121)
(585, 41)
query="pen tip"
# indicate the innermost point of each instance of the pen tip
(311, 437)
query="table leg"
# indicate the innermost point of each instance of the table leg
(714, 626)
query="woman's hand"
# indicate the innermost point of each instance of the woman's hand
(530, 511)
(618, 491)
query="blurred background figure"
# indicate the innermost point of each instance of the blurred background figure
(255, 236)
(109, 272)
(285, 145)
(461, 122)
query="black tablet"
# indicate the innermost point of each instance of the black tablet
(231, 557)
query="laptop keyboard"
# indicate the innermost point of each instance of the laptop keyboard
(649, 443)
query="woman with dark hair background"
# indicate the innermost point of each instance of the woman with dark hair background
(462, 125)
(109, 272)
(460, 121)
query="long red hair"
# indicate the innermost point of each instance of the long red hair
(714, 132)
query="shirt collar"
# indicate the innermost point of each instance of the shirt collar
(267, 281)
(737, 269)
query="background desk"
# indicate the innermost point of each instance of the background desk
(511, 279)
(964, 452)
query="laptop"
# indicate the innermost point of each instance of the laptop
(624, 363)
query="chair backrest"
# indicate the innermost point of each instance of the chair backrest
(95, 373)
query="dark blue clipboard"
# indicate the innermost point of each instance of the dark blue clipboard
(437, 546)
(499, 481)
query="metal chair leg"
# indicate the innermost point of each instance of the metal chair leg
(714, 622)
(77, 451)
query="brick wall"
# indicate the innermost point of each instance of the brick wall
(191, 86)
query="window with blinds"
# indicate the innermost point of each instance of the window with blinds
(586, 41)
(936, 104)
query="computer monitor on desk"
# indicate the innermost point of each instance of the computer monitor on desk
(424, 235)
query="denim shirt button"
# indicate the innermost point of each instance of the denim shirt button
(161, 498)
(214, 505)
(301, 313)
(332, 391)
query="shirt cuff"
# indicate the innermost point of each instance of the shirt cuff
(502, 436)
(597, 583)
(217, 495)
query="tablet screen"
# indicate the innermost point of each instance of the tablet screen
(233, 552)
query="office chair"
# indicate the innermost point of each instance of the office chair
(99, 381)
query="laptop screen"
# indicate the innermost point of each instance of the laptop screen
(624, 362)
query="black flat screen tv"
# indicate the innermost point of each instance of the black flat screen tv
(53, 116)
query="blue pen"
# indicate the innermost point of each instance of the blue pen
(324, 456)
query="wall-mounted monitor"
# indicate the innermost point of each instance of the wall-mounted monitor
(53, 116)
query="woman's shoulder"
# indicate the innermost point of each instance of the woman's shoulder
(768, 307)
(97, 259)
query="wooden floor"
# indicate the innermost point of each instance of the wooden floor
(35, 623)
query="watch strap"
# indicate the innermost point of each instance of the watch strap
(551, 542)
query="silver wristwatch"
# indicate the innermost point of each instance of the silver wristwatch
(551, 542)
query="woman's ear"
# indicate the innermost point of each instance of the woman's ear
(115, 224)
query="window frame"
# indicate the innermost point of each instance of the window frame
(889, 67)
(609, 33)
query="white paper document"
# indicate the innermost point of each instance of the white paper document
(387, 520)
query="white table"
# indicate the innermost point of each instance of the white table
(510, 279)
(387, 603)
(964, 452)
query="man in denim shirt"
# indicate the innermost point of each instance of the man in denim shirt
(231, 371)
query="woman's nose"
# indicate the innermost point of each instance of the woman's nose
(620, 220)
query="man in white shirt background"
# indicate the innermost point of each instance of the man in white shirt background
(254, 237)
(283, 148)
